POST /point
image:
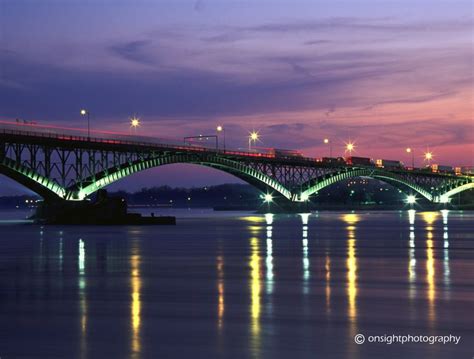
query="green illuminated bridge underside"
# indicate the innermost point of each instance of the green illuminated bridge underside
(67, 167)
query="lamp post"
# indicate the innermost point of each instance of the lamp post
(350, 146)
(328, 142)
(253, 137)
(134, 123)
(410, 150)
(221, 128)
(85, 112)
(428, 156)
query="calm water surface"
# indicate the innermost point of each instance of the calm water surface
(239, 285)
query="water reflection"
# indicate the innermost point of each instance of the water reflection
(430, 218)
(220, 291)
(411, 255)
(351, 262)
(446, 266)
(61, 251)
(327, 267)
(351, 286)
(135, 307)
(306, 269)
(269, 259)
(255, 287)
(82, 283)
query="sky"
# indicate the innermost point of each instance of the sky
(384, 74)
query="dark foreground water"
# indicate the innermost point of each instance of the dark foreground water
(239, 285)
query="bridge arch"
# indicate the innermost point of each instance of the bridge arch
(240, 170)
(445, 197)
(318, 184)
(37, 183)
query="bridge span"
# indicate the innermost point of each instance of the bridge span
(61, 164)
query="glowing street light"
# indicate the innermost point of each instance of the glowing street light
(328, 142)
(253, 137)
(410, 150)
(221, 128)
(350, 146)
(428, 156)
(134, 122)
(85, 112)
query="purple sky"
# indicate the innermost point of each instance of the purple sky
(387, 74)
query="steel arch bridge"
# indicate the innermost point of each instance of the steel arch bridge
(63, 166)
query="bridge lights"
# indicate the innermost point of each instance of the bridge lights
(221, 128)
(411, 199)
(304, 197)
(410, 150)
(134, 123)
(444, 199)
(268, 198)
(350, 146)
(327, 142)
(85, 112)
(253, 137)
(428, 155)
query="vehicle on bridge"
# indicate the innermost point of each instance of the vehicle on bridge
(466, 170)
(362, 161)
(389, 164)
(436, 168)
(283, 153)
(336, 161)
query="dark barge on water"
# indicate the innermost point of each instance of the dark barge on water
(104, 210)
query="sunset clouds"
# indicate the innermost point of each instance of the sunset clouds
(386, 76)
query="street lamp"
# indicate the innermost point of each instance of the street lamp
(428, 156)
(254, 136)
(350, 146)
(134, 123)
(328, 142)
(85, 112)
(410, 150)
(221, 128)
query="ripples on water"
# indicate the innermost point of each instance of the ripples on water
(239, 285)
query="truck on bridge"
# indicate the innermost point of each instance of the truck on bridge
(363, 161)
(388, 164)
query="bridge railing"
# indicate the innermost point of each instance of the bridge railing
(107, 137)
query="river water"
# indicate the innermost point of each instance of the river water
(239, 285)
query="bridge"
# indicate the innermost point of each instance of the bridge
(65, 165)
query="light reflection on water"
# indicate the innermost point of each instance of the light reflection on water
(220, 291)
(269, 260)
(412, 255)
(135, 307)
(82, 283)
(429, 219)
(351, 221)
(306, 269)
(255, 288)
(278, 278)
